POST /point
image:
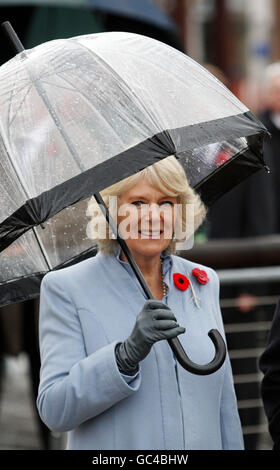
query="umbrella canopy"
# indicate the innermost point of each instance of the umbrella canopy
(80, 114)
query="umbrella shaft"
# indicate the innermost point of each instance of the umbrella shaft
(14, 39)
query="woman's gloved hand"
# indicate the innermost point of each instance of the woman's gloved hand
(155, 322)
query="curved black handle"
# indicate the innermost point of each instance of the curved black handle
(201, 369)
(174, 343)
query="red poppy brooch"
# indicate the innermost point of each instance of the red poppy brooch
(181, 281)
(200, 275)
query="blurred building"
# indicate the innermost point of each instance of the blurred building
(38, 21)
(239, 36)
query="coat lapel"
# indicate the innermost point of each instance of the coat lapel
(126, 299)
(116, 293)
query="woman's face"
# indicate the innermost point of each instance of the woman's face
(146, 218)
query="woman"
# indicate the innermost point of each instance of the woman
(107, 376)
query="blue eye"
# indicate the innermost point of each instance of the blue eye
(137, 203)
(168, 202)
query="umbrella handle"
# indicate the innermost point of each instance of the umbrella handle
(174, 343)
(201, 369)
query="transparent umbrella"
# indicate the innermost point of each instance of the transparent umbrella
(80, 114)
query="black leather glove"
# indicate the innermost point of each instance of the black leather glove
(155, 322)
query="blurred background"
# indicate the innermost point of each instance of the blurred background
(236, 40)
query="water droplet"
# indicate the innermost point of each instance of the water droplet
(267, 169)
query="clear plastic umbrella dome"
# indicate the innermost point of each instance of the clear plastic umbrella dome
(80, 114)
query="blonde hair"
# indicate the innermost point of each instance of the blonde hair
(168, 176)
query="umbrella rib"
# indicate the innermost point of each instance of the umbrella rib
(93, 108)
(16, 90)
(226, 95)
(44, 75)
(25, 191)
(59, 126)
(50, 73)
(60, 86)
(20, 105)
(46, 258)
(121, 80)
(129, 97)
(9, 110)
(11, 95)
(101, 115)
(9, 140)
(44, 98)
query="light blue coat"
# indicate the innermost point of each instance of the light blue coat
(85, 310)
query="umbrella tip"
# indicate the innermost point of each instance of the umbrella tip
(13, 37)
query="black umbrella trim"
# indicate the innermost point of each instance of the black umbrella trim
(234, 171)
(28, 287)
(41, 208)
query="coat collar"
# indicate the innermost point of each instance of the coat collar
(116, 268)
(167, 262)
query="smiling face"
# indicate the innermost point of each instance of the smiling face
(146, 218)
